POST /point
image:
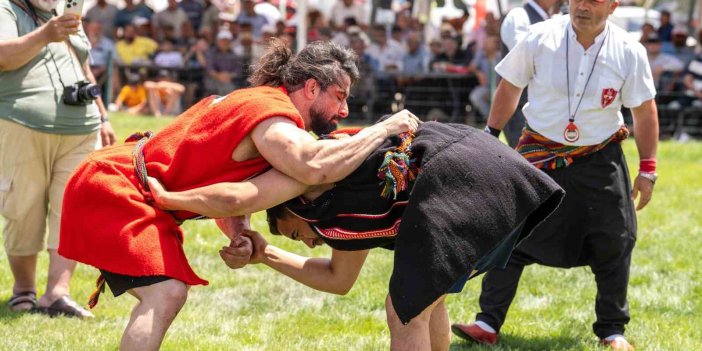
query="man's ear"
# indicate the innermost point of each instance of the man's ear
(311, 88)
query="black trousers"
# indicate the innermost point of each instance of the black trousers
(594, 226)
(513, 128)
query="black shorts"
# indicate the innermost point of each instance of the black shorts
(120, 283)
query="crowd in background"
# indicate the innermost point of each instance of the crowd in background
(171, 58)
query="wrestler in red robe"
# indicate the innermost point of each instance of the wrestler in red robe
(107, 221)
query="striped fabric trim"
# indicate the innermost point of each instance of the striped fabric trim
(545, 153)
(342, 234)
(373, 216)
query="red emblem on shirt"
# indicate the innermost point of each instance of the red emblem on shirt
(608, 96)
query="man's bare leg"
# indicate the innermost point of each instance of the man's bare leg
(155, 102)
(24, 269)
(411, 337)
(60, 272)
(171, 103)
(158, 306)
(440, 327)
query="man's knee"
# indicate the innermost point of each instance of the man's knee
(169, 295)
(396, 325)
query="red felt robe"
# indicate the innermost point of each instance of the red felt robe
(106, 220)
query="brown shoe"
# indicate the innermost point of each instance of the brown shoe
(64, 306)
(23, 301)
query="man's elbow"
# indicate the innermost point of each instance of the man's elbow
(341, 289)
(313, 174)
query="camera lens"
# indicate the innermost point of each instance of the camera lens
(89, 92)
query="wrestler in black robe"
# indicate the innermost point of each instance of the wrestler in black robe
(474, 199)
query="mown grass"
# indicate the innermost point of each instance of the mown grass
(258, 309)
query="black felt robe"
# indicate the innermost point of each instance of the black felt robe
(473, 201)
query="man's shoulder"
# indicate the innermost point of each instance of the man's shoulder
(7, 7)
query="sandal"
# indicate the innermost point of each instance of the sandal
(24, 298)
(64, 306)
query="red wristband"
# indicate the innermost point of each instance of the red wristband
(647, 165)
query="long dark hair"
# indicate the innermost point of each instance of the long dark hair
(325, 62)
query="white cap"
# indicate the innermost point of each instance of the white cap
(225, 34)
(140, 21)
(226, 16)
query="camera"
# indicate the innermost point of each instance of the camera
(81, 93)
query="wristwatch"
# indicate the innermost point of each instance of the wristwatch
(650, 176)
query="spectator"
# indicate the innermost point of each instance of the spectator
(386, 51)
(267, 33)
(133, 48)
(665, 68)
(223, 66)
(665, 30)
(209, 23)
(126, 15)
(143, 27)
(164, 95)
(43, 138)
(365, 91)
(341, 36)
(348, 8)
(416, 60)
(315, 22)
(268, 10)
(168, 56)
(187, 39)
(399, 36)
(693, 76)
(172, 16)
(132, 97)
(249, 15)
(196, 61)
(436, 48)
(104, 14)
(681, 50)
(248, 51)
(453, 59)
(484, 67)
(646, 30)
(194, 10)
(102, 51)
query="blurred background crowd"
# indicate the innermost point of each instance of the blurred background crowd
(435, 57)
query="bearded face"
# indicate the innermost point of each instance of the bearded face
(44, 5)
(320, 124)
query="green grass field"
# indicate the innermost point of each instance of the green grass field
(258, 309)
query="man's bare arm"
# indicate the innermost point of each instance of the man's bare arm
(297, 154)
(15, 53)
(336, 275)
(646, 135)
(230, 199)
(504, 104)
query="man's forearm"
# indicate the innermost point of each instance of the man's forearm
(313, 272)
(235, 199)
(336, 275)
(504, 104)
(15, 53)
(333, 160)
(646, 129)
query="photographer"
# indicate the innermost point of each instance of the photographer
(51, 117)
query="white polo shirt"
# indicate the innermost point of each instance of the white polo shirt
(516, 24)
(622, 75)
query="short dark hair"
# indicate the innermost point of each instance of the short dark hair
(323, 61)
(273, 214)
